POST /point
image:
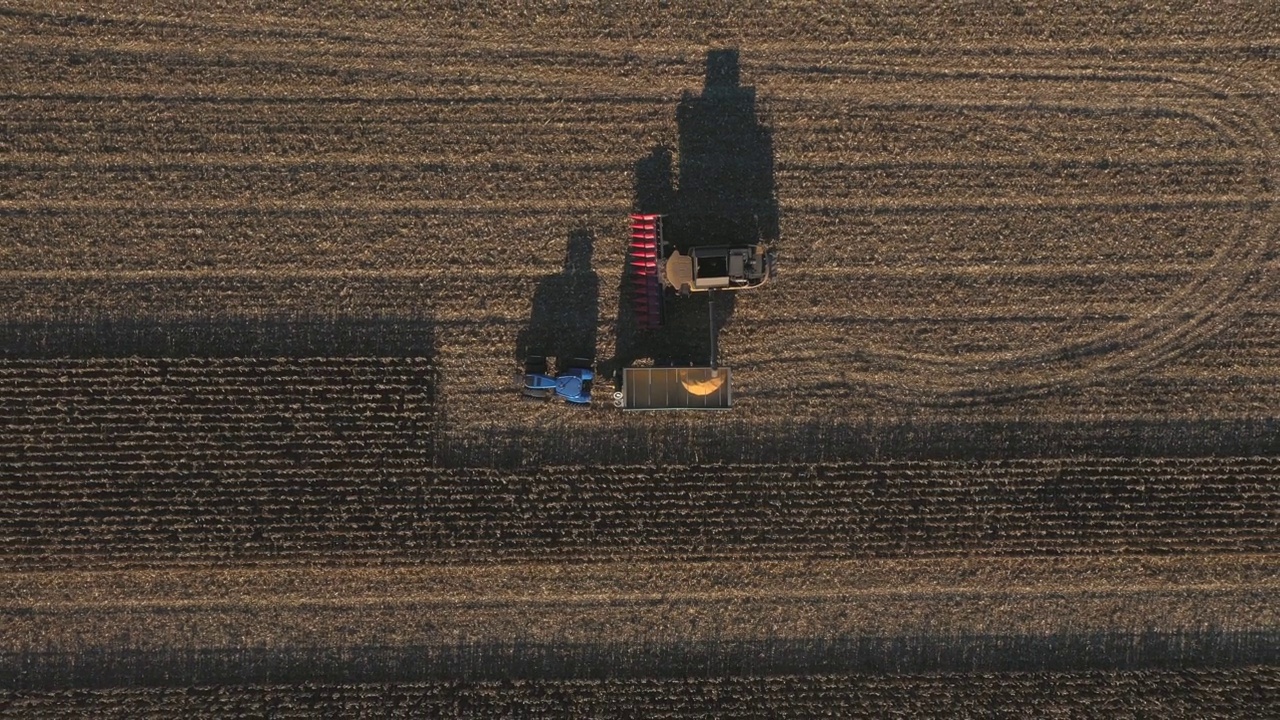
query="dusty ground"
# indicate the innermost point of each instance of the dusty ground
(1008, 411)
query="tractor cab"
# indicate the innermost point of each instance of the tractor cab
(571, 384)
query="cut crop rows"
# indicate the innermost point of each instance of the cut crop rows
(201, 417)
(1183, 693)
(366, 492)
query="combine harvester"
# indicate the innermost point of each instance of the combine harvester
(658, 271)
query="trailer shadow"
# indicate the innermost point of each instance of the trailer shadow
(566, 307)
(722, 193)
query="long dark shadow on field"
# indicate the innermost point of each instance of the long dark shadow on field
(322, 481)
(1100, 651)
(284, 399)
(837, 439)
(220, 337)
(566, 308)
(721, 193)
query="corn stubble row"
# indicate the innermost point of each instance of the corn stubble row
(1169, 693)
(138, 462)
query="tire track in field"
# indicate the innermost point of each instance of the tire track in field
(44, 161)
(976, 595)
(1196, 312)
(556, 207)
(480, 32)
(641, 582)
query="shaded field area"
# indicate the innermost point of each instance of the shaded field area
(657, 663)
(633, 618)
(1170, 693)
(1004, 438)
(567, 440)
(368, 497)
(105, 420)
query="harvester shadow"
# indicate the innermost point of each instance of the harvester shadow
(566, 308)
(722, 194)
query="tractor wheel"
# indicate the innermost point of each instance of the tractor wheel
(543, 394)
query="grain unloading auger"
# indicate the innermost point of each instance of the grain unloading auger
(658, 270)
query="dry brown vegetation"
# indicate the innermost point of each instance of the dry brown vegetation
(1166, 693)
(1005, 434)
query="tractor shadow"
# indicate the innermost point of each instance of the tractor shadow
(721, 193)
(566, 308)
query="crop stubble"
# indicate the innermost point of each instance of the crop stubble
(1169, 693)
(1028, 231)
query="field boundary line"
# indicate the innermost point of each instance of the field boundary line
(976, 204)
(382, 32)
(756, 596)
(605, 270)
(648, 580)
(229, 273)
(39, 160)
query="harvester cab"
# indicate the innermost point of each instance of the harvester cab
(571, 384)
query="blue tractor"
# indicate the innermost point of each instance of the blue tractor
(572, 383)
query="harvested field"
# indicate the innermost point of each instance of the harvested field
(1168, 693)
(1005, 436)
